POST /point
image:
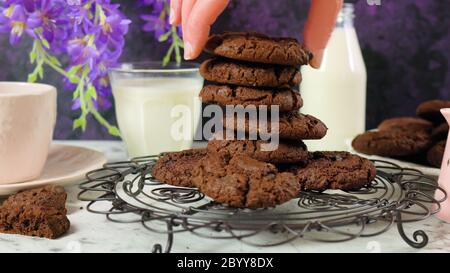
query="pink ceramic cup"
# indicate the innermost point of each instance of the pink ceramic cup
(27, 120)
(444, 177)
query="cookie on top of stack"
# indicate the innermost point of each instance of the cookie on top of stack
(253, 69)
(419, 139)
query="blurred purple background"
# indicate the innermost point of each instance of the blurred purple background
(405, 46)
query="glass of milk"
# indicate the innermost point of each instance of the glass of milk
(157, 108)
(336, 93)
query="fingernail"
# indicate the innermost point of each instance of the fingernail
(187, 51)
(172, 16)
(316, 61)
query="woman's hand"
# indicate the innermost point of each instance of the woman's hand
(197, 16)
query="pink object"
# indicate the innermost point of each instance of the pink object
(444, 177)
(27, 120)
(65, 165)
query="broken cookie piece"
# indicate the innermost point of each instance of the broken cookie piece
(38, 212)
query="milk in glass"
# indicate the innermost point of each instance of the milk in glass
(148, 108)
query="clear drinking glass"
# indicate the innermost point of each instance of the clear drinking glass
(157, 107)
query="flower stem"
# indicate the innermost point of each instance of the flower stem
(177, 42)
(112, 130)
(41, 57)
(60, 70)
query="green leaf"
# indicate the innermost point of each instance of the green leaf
(177, 54)
(114, 131)
(74, 79)
(166, 60)
(45, 43)
(168, 55)
(72, 74)
(41, 72)
(92, 92)
(76, 94)
(164, 37)
(80, 123)
(32, 77)
(54, 60)
(33, 56)
(74, 69)
(38, 30)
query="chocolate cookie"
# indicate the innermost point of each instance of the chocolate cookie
(176, 168)
(436, 154)
(38, 212)
(406, 124)
(392, 143)
(255, 47)
(335, 170)
(250, 74)
(287, 99)
(285, 152)
(243, 182)
(430, 110)
(291, 125)
(440, 132)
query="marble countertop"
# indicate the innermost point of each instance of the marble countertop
(94, 233)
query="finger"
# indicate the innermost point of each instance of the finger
(175, 12)
(203, 15)
(186, 9)
(319, 26)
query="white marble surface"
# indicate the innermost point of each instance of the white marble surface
(94, 233)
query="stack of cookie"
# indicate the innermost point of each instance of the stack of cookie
(419, 139)
(251, 69)
(254, 70)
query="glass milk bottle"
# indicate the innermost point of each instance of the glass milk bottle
(336, 93)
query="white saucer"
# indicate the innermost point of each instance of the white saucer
(66, 165)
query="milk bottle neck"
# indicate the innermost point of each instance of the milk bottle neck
(345, 17)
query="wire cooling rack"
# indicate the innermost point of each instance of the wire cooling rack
(126, 192)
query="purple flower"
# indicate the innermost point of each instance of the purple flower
(76, 104)
(157, 20)
(111, 32)
(14, 20)
(81, 52)
(106, 60)
(154, 24)
(113, 28)
(103, 88)
(91, 33)
(50, 16)
(156, 5)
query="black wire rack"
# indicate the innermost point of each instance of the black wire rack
(126, 192)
